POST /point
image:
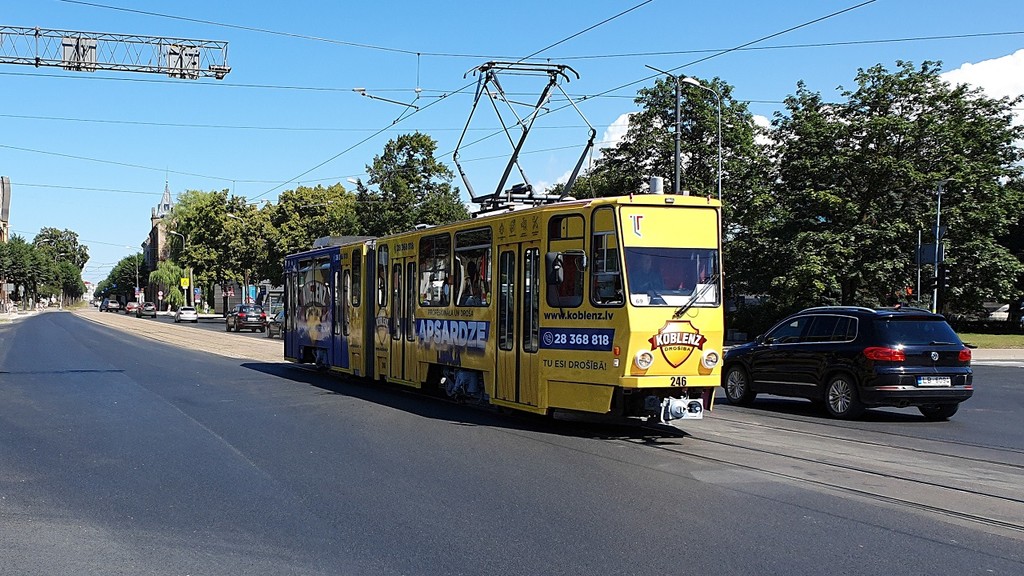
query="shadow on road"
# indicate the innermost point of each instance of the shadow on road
(437, 406)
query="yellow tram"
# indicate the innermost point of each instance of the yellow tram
(605, 306)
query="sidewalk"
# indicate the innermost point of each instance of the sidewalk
(997, 354)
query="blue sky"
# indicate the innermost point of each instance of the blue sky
(91, 152)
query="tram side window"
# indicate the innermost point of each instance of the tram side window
(410, 301)
(605, 271)
(506, 300)
(347, 299)
(382, 276)
(566, 235)
(338, 304)
(473, 265)
(435, 276)
(357, 278)
(531, 300)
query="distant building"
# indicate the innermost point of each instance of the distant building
(156, 248)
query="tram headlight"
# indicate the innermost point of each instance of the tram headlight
(710, 358)
(644, 359)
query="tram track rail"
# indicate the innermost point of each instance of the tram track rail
(976, 491)
(1016, 527)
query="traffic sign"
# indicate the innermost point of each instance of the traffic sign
(184, 282)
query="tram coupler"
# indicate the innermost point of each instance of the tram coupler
(669, 409)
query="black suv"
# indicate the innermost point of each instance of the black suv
(246, 316)
(851, 358)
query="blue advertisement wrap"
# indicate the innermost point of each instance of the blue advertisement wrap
(599, 339)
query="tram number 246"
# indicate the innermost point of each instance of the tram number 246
(678, 380)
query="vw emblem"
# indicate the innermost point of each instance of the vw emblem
(935, 356)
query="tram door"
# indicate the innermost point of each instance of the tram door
(402, 355)
(518, 338)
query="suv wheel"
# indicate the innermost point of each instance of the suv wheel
(938, 412)
(227, 325)
(737, 386)
(841, 399)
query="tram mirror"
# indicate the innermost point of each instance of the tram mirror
(553, 265)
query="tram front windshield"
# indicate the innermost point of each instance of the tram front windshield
(672, 276)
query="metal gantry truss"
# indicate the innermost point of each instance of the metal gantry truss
(92, 51)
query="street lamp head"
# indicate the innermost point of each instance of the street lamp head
(691, 82)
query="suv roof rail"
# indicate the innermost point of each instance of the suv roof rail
(908, 308)
(837, 308)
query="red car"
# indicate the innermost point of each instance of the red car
(131, 307)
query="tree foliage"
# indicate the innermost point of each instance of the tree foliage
(302, 215)
(166, 277)
(25, 266)
(856, 181)
(413, 188)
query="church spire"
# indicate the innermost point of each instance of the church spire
(165, 206)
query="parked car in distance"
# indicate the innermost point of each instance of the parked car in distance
(146, 309)
(131, 307)
(276, 324)
(246, 316)
(186, 314)
(110, 305)
(850, 358)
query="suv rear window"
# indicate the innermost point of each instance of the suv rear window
(915, 331)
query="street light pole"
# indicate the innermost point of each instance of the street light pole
(938, 241)
(191, 288)
(718, 99)
(245, 273)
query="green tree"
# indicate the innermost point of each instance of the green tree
(303, 215)
(200, 217)
(167, 276)
(63, 243)
(23, 265)
(648, 148)
(856, 181)
(246, 238)
(414, 188)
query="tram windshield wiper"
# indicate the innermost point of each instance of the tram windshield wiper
(697, 296)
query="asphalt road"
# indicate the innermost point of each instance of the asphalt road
(126, 447)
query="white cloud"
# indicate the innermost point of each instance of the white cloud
(765, 123)
(614, 133)
(998, 77)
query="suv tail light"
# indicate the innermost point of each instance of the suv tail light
(884, 354)
(965, 355)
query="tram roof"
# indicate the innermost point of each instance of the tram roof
(633, 199)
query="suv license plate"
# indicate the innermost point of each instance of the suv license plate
(934, 381)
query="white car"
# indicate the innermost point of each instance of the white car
(186, 314)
